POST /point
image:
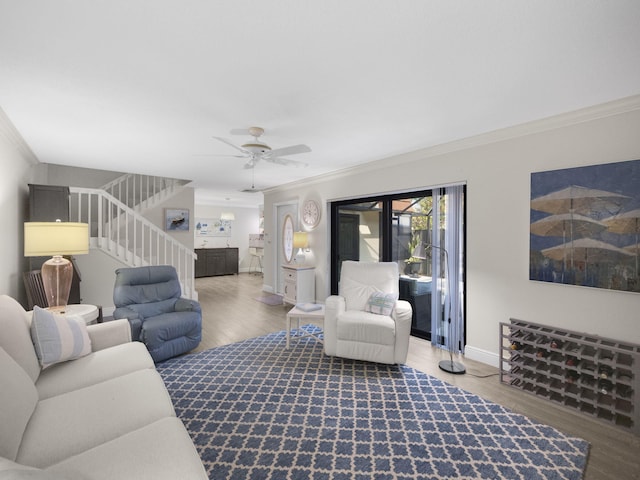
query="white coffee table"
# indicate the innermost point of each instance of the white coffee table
(299, 314)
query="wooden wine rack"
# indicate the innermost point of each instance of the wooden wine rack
(594, 375)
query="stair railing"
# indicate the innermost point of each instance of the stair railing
(124, 234)
(140, 191)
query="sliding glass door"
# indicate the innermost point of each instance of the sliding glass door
(416, 231)
(355, 234)
(411, 226)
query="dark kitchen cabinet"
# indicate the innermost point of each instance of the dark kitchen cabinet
(216, 261)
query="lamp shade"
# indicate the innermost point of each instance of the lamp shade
(55, 238)
(300, 240)
(227, 216)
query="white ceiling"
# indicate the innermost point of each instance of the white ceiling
(141, 86)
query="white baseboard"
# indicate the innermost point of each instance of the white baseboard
(482, 356)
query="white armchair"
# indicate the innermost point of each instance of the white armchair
(351, 331)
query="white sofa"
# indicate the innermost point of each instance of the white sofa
(106, 415)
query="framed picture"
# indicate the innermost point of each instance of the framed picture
(176, 220)
(213, 227)
(585, 226)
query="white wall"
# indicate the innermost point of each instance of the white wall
(247, 221)
(497, 169)
(77, 177)
(16, 171)
(98, 277)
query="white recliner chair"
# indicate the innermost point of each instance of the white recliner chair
(366, 321)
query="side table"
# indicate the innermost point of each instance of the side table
(89, 313)
(299, 314)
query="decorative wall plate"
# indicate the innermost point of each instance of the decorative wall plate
(310, 213)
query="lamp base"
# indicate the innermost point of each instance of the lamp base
(452, 367)
(57, 273)
(299, 258)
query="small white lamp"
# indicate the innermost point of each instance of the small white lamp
(300, 241)
(57, 239)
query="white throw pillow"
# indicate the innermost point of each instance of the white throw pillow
(58, 338)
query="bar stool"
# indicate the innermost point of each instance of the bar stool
(256, 256)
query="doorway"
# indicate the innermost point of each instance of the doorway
(281, 211)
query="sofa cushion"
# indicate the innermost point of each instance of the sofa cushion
(14, 471)
(18, 399)
(94, 368)
(161, 450)
(15, 337)
(58, 338)
(32, 474)
(71, 423)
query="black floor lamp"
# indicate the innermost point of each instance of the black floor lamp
(449, 365)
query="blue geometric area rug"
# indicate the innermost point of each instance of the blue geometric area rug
(256, 410)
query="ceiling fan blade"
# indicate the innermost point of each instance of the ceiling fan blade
(285, 161)
(224, 140)
(292, 150)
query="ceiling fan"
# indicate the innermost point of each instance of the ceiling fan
(257, 150)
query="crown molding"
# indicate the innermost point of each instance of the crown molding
(588, 114)
(9, 133)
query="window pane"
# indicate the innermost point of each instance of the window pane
(359, 236)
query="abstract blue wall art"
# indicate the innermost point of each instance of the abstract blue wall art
(585, 226)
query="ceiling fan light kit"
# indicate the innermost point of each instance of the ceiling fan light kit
(257, 148)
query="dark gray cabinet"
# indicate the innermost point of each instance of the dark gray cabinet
(48, 203)
(216, 261)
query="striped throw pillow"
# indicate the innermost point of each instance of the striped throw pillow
(58, 338)
(381, 303)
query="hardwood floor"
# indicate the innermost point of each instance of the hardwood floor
(231, 314)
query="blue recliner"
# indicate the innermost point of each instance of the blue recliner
(149, 297)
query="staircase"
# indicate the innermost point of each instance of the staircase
(118, 228)
(141, 192)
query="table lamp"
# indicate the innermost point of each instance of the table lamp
(300, 241)
(57, 239)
